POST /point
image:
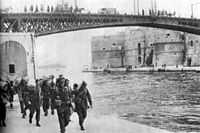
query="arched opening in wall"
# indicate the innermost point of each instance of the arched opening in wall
(139, 49)
(191, 43)
(139, 60)
(13, 60)
(189, 62)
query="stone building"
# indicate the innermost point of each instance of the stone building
(138, 47)
(192, 50)
(168, 53)
(169, 48)
(151, 46)
(108, 51)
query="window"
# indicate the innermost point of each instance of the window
(139, 49)
(191, 43)
(139, 60)
(11, 68)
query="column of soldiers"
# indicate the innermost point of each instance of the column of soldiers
(57, 96)
(7, 91)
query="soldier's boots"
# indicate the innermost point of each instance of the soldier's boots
(46, 113)
(30, 121)
(2, 123)
(11, 105)
(24, 115)
(38, 124)
(82, 128)
(52, 112)
(62, 131)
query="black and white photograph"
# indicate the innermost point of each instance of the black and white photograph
(99, 66)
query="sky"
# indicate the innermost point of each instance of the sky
(182, 7)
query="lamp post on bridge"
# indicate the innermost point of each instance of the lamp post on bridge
(192, 11)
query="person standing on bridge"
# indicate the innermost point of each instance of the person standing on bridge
(35, 104)
(82, 97)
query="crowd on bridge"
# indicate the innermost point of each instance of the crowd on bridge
(55, 95)
(36, 26)
(46, 25)
(40, 26)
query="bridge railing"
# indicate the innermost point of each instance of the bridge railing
(47, 22)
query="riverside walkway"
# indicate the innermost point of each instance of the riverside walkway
(93, 124)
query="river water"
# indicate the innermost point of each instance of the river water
(168, 101)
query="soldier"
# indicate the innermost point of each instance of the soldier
(81, 102)
(19, 89)
(63, 100)
(59, 79)
(46, 96)
(11, 92)
(25, 97)
(74, 94)
(3, 102)
(35, 104)
(52, 94)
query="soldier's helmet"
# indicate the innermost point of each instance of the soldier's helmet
(60, 76)
(84, 83)
(51, 77)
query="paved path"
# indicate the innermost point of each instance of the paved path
(94, 124)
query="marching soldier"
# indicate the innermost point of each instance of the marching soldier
(11, 92)
(46, 96)
(25, 97)
(35, 104)
(63, 100)
(74, 94)
(52, 95)
(19, 89)
(59, 80)
(3, 102)
(82, 98)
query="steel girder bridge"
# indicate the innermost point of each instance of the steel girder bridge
(51, 23)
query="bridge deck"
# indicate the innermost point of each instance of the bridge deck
(51, 23)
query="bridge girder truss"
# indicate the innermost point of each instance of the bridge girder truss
(49, 23)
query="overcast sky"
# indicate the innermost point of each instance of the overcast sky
(182, 7)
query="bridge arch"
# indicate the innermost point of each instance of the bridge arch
(180, 28)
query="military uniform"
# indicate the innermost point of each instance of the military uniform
(3, 101)
(63, 99)
(82, 98)
(19, 89)
(35, 105)
(53, 96)
(46, 97)
(26, 98)
(11, 93)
